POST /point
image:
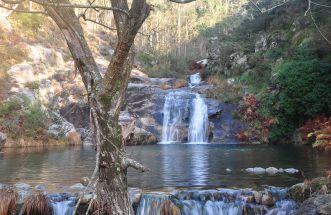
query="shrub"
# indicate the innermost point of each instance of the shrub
(34, 119)
(303, 91)
(9, 106)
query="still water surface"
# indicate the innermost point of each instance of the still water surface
(171, 166)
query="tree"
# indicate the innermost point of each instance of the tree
(105, 94)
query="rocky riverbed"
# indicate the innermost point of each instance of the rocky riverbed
(269, 200)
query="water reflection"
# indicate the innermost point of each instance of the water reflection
(174, 165)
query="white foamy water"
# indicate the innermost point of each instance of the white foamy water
(198, 128)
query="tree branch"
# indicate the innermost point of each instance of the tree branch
(181, 1)
(24, 11)
(127, 162)
(79, 6)
(98, 23)
(13, 2)
(269, 9)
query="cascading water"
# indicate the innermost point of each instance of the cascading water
(195, 79)
(198, 128)
(175, 111)
(215, 202)
(62, 204)
(180, 106)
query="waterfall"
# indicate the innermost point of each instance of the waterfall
(213, 202)
(195, 79)
(198, 128)
(150, 204)
(175, 111)
(62, 204)
(63, 208)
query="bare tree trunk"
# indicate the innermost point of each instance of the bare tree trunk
(106, 96)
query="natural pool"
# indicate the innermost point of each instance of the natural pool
(171, 166)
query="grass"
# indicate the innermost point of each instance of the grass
(36, 205)
(8, 198)
(226, 92)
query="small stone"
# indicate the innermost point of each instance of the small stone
(85, 181)
(291, 170)
(256, 170)
(280, 170)
(272, 170)
(40, 188)
(86, 198)
(22, 186)
(250, 199)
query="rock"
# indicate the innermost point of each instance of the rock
(22, 74)
(280, 170)
(296, 192)
(271, 170)
(73, 138)
(320, 205)
(317, 184)
(41, 188)
(267, 200)
(135, 195)
(261, 44)
(3, 138)
(141, 137)
(77, 187)
(60, 129)
(291, 170)
(87, 198)
(257, 196)
(256, 170)
(23, 190)
(250, 199)
(85, 181)
(86, 136)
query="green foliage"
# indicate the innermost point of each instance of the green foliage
(9, 106)
(18, 121)
(145, 58)
(31, 22)
(303, 91)
(34, 119)
(32, 85)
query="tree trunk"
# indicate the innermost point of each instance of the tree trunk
(106, 96)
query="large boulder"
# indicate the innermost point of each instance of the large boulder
(320, 205)
(60, 128)
(3, 138)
